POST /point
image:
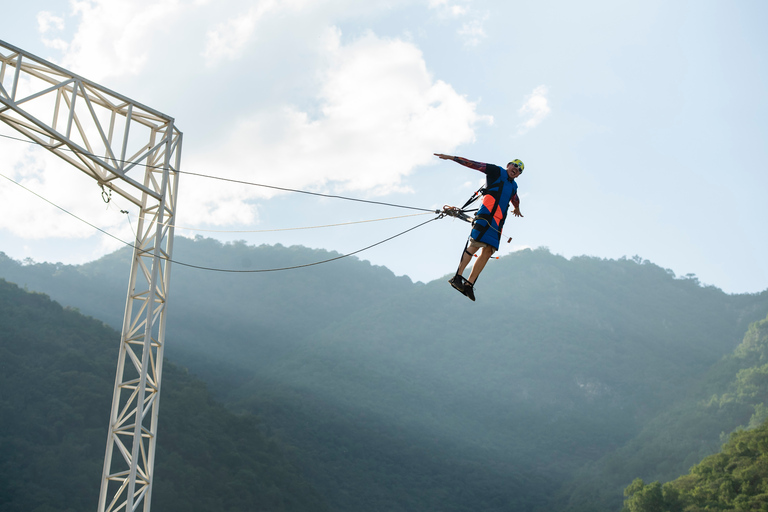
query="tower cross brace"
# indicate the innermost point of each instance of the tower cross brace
(134, 151)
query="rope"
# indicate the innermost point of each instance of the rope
(447, 211)
(308, 264)
(65, 211)
(241, 182)
(295, 229)
(219, 269)
(285, 189)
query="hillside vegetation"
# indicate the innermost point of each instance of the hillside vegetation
(547, 393)
(56, 376)
(736, 478)
(730, 396)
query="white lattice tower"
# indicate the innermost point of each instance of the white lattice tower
(134, 151)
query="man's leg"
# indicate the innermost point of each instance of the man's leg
(479, 265)
(466, 257)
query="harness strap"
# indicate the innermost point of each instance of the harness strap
(466, 246)
(481, 229)
(479, 193)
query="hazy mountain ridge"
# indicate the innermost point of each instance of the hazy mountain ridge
(57, 370)
(559, 363)
(574, 391)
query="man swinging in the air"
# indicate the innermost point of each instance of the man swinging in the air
(500, 189)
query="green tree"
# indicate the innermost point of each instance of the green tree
(651, 498)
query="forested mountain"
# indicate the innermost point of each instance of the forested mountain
(730, 395)
(405, 396)
(736, 478)
(56, 374)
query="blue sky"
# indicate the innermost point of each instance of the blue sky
(642, 124)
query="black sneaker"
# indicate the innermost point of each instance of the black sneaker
(457, 282)
(469, 290)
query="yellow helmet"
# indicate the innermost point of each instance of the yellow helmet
(519, 163)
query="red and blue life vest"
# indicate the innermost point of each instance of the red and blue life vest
(489, 219)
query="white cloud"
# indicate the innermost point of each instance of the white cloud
(450, 7)
(472, 29)
(47, 21)
(376, 114)
(381, 115)
(116, 38)
(227, 39)
(30, 217)
(458, 10)
(534, 110)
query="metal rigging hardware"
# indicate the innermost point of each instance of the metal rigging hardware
(134, 151)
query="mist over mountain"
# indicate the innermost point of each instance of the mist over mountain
(406, 396)
(57, 370)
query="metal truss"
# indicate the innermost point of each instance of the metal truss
(134, 151)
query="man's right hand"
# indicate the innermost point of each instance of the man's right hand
(443, 157)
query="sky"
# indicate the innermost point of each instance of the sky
(642, 126)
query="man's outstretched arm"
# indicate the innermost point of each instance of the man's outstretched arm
(478, 166)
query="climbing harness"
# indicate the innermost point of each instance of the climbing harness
(458, 281)
(463, 212)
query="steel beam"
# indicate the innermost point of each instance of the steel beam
(136, 152)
